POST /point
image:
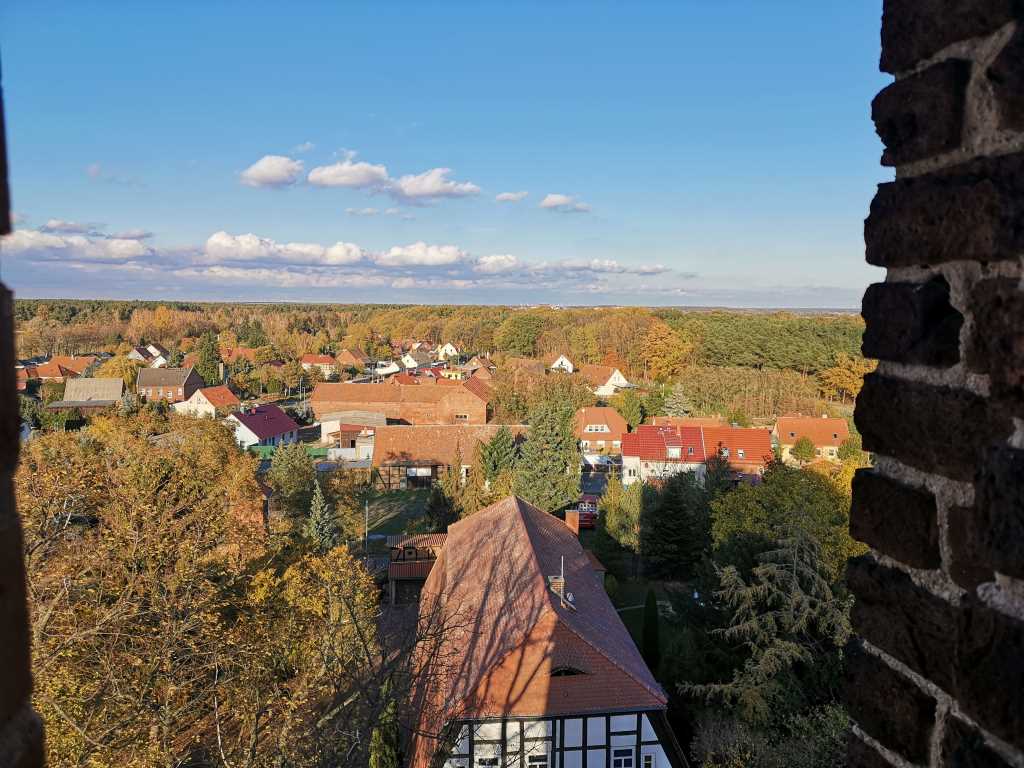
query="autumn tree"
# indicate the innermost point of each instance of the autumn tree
(120, 367)
(292, 477)
(803, 450)
(629, 406)
(208, 359)
(519, 333)
(664, 351)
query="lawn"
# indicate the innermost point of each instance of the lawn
(398, 512)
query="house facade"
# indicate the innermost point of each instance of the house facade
(604, 380)
(352, 358)
(599, 431)
(325, 364)
(559, 682)
(655, 453)
(169, 384)
(417, 358)
(208, 402)
(561, 363)
(264, 425)
(448, 351)
(826, 433)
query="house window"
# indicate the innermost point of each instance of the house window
(792, 434)
(462, 417)
(689, 450)
(739, 453)
(622, 758)
(649, 761)
(487, 762)
(537, 761)
(564, 671)
(673, 453)
(725, 453)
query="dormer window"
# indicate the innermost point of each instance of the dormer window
(566, 671)
(724, 453)
(792, 434)
(689, 450)
(673, 452)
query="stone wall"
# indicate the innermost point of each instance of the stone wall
(21, 733)
(937, 676)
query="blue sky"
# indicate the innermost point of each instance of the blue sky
(683, 153)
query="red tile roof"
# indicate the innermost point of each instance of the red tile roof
(220, 397)
(822, 431)
(77, 364)
(266, 421)
(433, 444)
(53, 370)
(609, 417)
(239, 353)
(318, 360)
(596, 375)
(413, 569)
(688, 421)
(651, 443)
(754, 444)
(509, 630)
(479, 388)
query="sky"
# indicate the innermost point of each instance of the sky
(652, 153)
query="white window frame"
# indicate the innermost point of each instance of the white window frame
(622, 757)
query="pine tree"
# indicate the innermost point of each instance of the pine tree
(678, 403)
(548, 472)
(321, 528)
(676, 527)
(499, 454)
(440, 512)
(292, 475)
(787, 614)
(384, 737)
(208, 359)
(651, 638)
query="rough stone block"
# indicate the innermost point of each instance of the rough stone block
(905, 723)
(963, 746)
(911, 323)
(922, 115)
(913, 30)
(896, 519)
(969, 212)
(1000, 497)
(1006, 75)
(936, 429)
(996, 345)
(906, 621)
(990, 666)
(968, 565)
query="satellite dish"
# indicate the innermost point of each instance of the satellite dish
(569, 597)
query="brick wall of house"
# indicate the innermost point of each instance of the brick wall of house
(21, 732)
(937, 677)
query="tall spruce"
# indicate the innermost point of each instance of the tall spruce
(384, 737)
(208, 359)
(548, 471)
(676, 529)
(678, 403)
(498, 455)
(321, 527)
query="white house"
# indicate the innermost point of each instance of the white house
(208, 402)
(417, 359)
(325, 364)
(386, 368)
(263, 425)
(604, 380)
(562, 363)
(656, 453)
(448, 351)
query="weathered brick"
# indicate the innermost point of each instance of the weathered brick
(996, 345)
(911, 323)
(896, 519)
(969, 212)
(963, 746)
(913, 30)
(905, 723)
(904, 620)
(922, 115)
(861, 755)
(936, 429)
(1000, 497)
(1006, 75)
(990, 664)
(968, 565)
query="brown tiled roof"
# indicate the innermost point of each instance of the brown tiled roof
(352, 357)
(413, 569)
(600, 415)
(318, 360)
(530, 364)
(756, 445)
(688, 421)
(239, 353)
(478, 387)
(596, 375)
(387, 392)
(433, 444)
(425, 540)
(77, 364)
(510, 630)
(52, 370)
(220, 397)
(820, 431)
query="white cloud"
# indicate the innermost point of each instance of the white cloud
(272, 171)
(563, 204)
(306, 146)
(431, 184)
(420, 254)
(510, 197)
(362, 211)
(350, 174)
(221, 246)
(67, 227)
(42, 245)
(282, 278)
(496, 263)
(132, 234)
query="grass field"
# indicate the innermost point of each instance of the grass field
(398, 512)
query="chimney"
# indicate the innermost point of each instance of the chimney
(557, 585)
(572, 520)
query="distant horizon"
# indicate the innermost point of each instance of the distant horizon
(448, 154)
